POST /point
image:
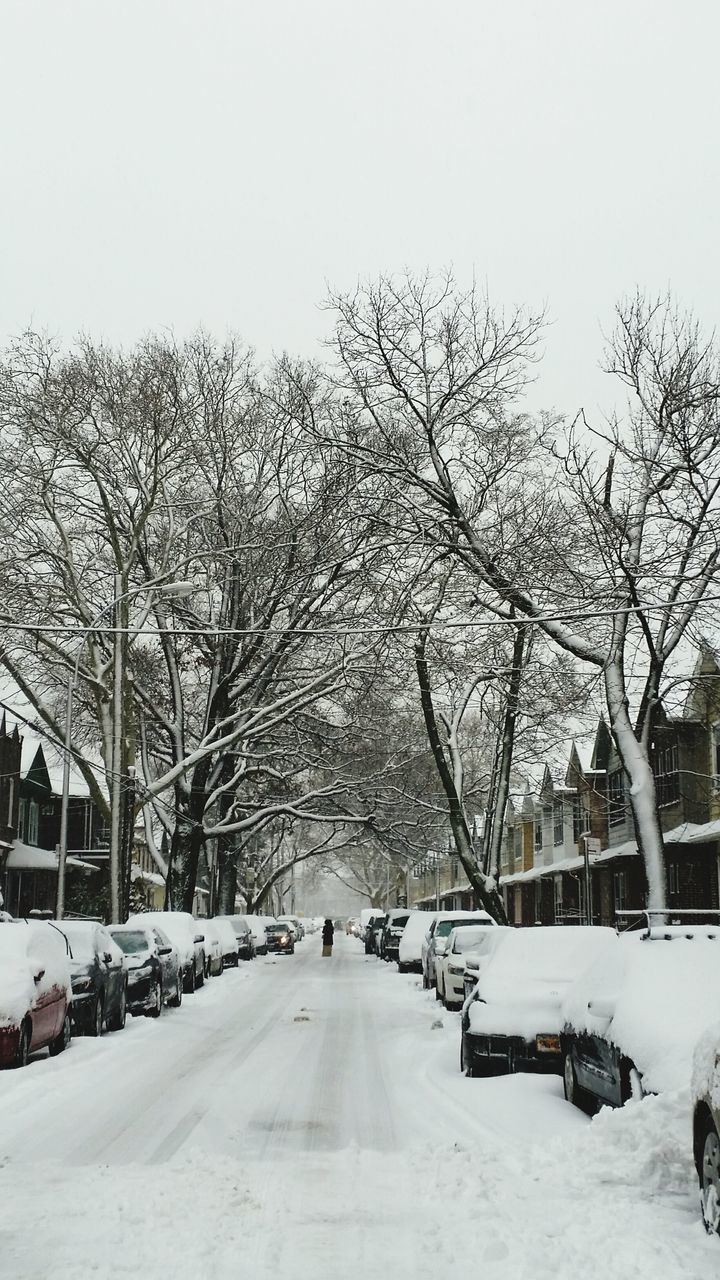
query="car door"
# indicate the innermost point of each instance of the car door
(42, 1011)
(597, 1066)
(113, 967)
(167, 960)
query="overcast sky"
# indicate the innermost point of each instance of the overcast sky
(176, 162)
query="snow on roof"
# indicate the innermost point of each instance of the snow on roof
(686, 833)
(28, 857)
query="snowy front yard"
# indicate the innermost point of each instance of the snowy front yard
(297, 1115)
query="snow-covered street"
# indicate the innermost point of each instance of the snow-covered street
(302, 1112)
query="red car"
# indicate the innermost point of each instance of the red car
(35, 991)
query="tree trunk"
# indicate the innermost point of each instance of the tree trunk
(485, 890)
(506, 753)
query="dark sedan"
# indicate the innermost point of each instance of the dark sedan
(154, 972)
(280, 939)
(99, 977)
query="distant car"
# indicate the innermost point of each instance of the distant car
(186, 935)
(377, 929)
(438, 934)
(213, 948)
(706, 1124)
(397, 918)
(280, 939)
(99, 977)
(514, 1019)
(450, 966)
(633, 1016)
(154, 970)
(35, 992)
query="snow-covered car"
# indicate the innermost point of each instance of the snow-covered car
(410, 948)
(514, 1018)
(153, 968)
(186, 935)
(439, 933)
(632, 1019)
(258, 924)
(377, 929)
(706, 1124)
(476, 959)
(213, 948)
(243, 934)
(450, 965)
(35, 992)
(397, 918)
(99, 976)
(228, 939)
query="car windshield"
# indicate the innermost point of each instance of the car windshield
(82, 941)
(132, 943)
(444, 927)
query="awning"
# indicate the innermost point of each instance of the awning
(28, 857)
(686, 833)
(551, 869)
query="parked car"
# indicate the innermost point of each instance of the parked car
(243, 934)
(706, 1124)
(228, 939)
(514, 1018)
(280, 939)
(213, 948)
(438, 934)
(154, 970)
(35, 992)
(258, 924)
(392, 933)
(99, 976)
(187, 937)
(450, 964)
(289, 924)
(476, 959)
(633, 1017)
(378, 929)
(410, 946)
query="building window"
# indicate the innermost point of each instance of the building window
(33, 815)
(665, 767)
(518, 842)
(716, 752)
(11, 801)
(558, 895)
(580, 818)
(616, 798)
(22, 819)
(673, 878)
(538, 833)
(558, 823)
(620, 887)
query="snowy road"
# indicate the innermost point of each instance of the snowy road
(300, 1113)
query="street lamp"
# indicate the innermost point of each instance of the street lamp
(176, 590)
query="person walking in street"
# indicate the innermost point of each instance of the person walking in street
(328, 936)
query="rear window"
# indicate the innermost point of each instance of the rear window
(444, 927)
(398, 922)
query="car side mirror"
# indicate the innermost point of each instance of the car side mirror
(40, 974)
(199, 937)
(164, 951)
(107, 957)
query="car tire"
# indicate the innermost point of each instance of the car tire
(62, 1039)
(630, 1081)
(709, 1177)
(96, 1021)
(23, 1050)
(119, 1018)
(157, 1007)
(199, 980)
(176, 1001)
(574, 1093)
(438, 993)
(426, 983)
(189, 982)
(466, 1068)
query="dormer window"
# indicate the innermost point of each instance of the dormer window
(616, 798)
(558, 822)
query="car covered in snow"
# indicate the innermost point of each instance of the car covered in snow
(514, 1018)
(476, 959)
(244, 936)
(258, 924)
(228, 940)
(706, 1124)
(413, 936)
(35, 991)
(153, 968)
(439, 932)
(450, 965)
(99, 976)
(186, 935)
(213, 948)
(632, 1019)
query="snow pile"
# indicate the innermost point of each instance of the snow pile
(652, 998)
